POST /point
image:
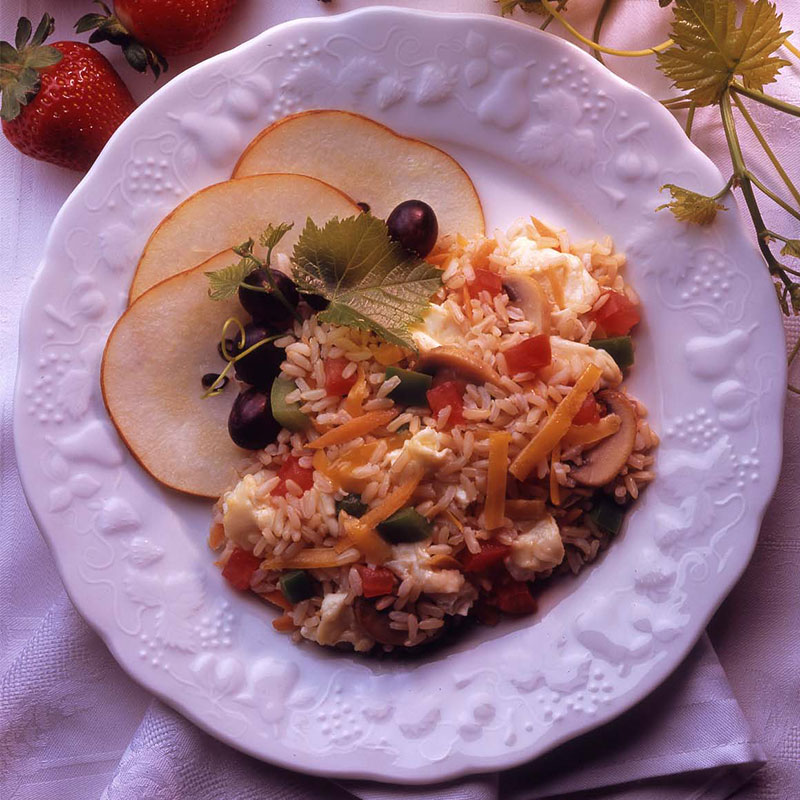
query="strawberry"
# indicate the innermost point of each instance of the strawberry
(148, 30)
(61, 102)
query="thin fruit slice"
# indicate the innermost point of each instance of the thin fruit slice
(370, 163)
(152, 368)
(229, 213)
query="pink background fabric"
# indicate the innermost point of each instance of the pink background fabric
(72, 725)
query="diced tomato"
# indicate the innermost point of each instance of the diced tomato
(491, 553)
(240, 568)
(449, 393)
(376, 581)
(514, 597)
(335, 382)
(486, 281)
(588, 413)
(617, 315)
(529, 354)
(291, 470)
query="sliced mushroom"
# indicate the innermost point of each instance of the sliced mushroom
(376, 624)
(603, 462)
(464, 363)
(525, 293)
(441, 561)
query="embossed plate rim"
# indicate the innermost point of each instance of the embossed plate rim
(344, 762)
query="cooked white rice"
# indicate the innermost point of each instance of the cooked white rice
(451, 495)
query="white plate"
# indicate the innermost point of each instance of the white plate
(542, 128)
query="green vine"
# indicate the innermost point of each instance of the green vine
(719, 56)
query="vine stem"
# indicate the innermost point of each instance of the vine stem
(690, 119)
(766, 148)
(791, 48)
(774, 197)
(743, 178)
(596, 45)
(795, 350)
(598, 27)
(548, 20)
(766, 99)
(671, 101)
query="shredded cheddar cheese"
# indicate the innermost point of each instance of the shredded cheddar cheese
(496, 480)
(556, 426)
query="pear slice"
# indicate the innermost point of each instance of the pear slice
(370, 163)
(229, 213)
(151, 374)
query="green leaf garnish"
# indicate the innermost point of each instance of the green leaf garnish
(371, 281)
(710, 49)
(225, 282)
(273, 234)
(689, 206)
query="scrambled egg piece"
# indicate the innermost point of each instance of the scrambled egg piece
(243, 519)
(425, 447)
(564, 278)
(437, 328)
(335, 618)
(407, 562)
(576, 356)
(539, 548)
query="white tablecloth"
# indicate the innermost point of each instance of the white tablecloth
(72, 725)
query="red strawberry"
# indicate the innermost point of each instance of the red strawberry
(148, 30)
(61, 102)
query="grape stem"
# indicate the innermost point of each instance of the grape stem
(543, 27)
(795, 350)
(772, 196)
(766, 99)
(218, 385)
(742, 177)
(598, 28)
(791, 48)
(766, 148)
(724, 190)
(596, 45)
(690, 119)
(265, 266)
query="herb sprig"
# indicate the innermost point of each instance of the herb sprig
(225, 282)
(719, 58)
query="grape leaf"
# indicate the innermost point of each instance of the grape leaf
(371, 282)
(224, 283)
(710, 49)
(689, 206)
(791, 248)
(273, 234)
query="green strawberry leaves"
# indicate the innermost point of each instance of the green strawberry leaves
(20, 62)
